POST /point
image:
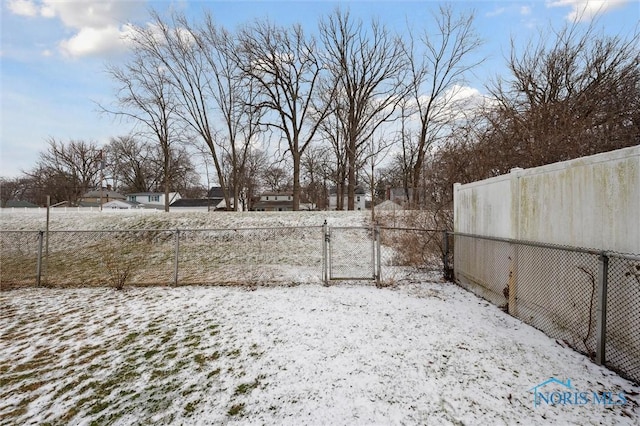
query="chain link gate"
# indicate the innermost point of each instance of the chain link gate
(353, 253)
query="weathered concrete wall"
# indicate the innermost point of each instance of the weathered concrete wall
(591, 202)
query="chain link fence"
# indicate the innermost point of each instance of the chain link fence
(161, 257)
(19, 258)
(244, 256)
(588, 300)
(403, 250)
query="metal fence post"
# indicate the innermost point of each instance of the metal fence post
(377, 237)
(603, 275)
(39, 263)
(445, 253)
(177, 249)
(325, 261)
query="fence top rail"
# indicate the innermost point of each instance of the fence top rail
(608, 253)
(266, 228)
(393, 228)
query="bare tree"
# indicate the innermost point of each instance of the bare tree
(174, 46)
(315, 173)
(571, 92)
(367, 66)
(130, 165)
(65, 171)
(276, 178)
(145, 95)
(285, 65)
(13, 189)
(438, 61)
(235, 96)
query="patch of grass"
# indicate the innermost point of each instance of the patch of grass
(98, 407)
(235, 409)
(213, 373)
(248, 387)
(159, 374)
(27, 388)
(148, 354)
(191, 407)
(234, 353)
(192, 341)
(168, 335)
(71, 385)
(254, 351)
(200, 359)
(131, 337)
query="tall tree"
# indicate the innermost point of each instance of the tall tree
(65, 171)
(438, 60)
(286, 67)
(367, 66)
(172, 44)
(234, 94)
(130, 164)
(145, 95)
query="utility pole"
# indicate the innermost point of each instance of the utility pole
(100, 156)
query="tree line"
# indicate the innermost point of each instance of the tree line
(352, 103)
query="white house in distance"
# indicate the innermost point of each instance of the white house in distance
(153, 200)
(120, 205)
(278, 202)
(359, 201)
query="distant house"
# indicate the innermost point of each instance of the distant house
(215, 195)
(95, 197)
(274, 202)
(359, 201)
(120, 205)
(154, 200)
(278, 202)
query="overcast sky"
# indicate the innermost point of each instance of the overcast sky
(53, 53)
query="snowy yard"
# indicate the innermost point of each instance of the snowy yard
(419, 353)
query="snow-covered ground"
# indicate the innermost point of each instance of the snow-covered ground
(419, 352)
(423, 352)
(35, 219)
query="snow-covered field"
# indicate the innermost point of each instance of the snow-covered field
(35, 219)
(418, 353)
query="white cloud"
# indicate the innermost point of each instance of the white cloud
(99, 26)
(23, 7)
(525, 10)
(92, 41)
(89, 13)
(584, 10)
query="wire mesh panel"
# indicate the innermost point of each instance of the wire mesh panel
(114, 258)
(250, 256)
(623, 316)
(18, 258)
(402, 250)
(352, 253)
(555, 290)
(484, 267)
